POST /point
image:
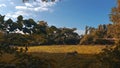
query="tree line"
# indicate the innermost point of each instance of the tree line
(27, 31)
(103, 34)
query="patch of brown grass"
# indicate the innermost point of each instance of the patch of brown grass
(81, 49)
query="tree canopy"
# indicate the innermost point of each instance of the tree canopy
(39, 33)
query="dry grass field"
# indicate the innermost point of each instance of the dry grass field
(58, 55)
(81, 49)
(86, 57)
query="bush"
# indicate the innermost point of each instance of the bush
(104, 41)
(22, 59)
(87, 39)
(110, 57)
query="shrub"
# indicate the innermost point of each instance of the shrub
(87, 39)
(104, 41)
(110, 57)
(22, 59)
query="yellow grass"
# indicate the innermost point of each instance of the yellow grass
(81, 49)
(57, 54)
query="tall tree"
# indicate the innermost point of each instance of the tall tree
(110, 55)
(2, 21)
(86, 29)
(115, 18)
(20, 22)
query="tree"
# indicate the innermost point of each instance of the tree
(39, 39)
(67, 36)
(110, 55)
(2, 21)
(115, 18)
(39, 33)
(86, 29)
(20, 22)
(51, 34)
(1, 38)
(115, 13)
(40, 28)
(87, 39)
(110, 31)
(28, 24)
(16, 39)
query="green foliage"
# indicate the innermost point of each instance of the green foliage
(34, 33)
(16, 39)
(102, 41)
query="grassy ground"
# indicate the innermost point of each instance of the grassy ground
(58, 55)
(61, 60)
(86, 57)
(81, 49)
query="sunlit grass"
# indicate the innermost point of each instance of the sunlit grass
(81, 49)
(57, 55)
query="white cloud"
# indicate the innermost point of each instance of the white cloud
(47, 4)
(28, 5)
(30, 8)
(2, 5)
(21, 13)
(36, 9)
(36, 6)
(21, 7)
(41, 9)
(14, 15)
(12, 3)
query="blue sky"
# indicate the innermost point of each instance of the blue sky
(66, 13)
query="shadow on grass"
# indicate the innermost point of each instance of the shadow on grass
(64, 60)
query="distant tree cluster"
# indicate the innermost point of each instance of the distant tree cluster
(106, 33)
(34, 33)
(101, 35)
